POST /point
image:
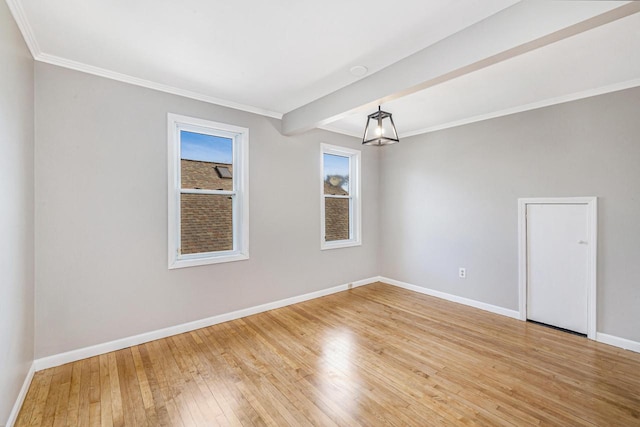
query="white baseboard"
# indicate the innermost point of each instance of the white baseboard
(95, 350)
(618, 342)
(453, 298)
(13, 416)
(600, 337)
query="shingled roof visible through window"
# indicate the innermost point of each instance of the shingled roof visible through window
(204, 175)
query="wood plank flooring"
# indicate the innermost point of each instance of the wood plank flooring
(374, 355)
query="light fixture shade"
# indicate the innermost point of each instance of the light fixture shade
(380, 129)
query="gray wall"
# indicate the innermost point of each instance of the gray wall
(16, 211)
(449, 200)
(101, 215)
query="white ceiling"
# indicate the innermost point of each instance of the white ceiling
(281, 56)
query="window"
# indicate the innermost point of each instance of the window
(340, 194)
(208, 192)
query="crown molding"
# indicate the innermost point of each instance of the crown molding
(23, 24)
(528, 107)
(125, 78)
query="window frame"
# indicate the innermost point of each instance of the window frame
(355, 207)
(239, 194)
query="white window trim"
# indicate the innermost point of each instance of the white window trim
(355, 217)
(240, 194)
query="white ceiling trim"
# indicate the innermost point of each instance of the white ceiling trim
(29, 36)
(521, 108)
(78, 66)
(27, 33)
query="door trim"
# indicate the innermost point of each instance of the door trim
(592, 206)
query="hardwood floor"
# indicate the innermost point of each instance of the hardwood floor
(374, 355)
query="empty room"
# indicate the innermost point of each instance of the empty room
(338, 213)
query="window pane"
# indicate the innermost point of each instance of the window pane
(207, 223)
(336, 174)
(336, 217)
(206, 161)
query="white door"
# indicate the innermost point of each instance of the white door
(558, 265)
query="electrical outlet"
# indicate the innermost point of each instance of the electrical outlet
(462, 273)
(350, 286)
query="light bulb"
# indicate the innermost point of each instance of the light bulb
(378, 130)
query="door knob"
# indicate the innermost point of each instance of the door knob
(582, 242)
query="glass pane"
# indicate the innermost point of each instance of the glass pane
(336, 174)
(206, 223)
(206, 161)
(336, 219)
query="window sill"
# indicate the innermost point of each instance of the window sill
(339, 244)
(194, 262)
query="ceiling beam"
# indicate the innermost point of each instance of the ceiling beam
(521, 28)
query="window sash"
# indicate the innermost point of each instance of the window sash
(351, 221)
(234, 222)
(237, 168)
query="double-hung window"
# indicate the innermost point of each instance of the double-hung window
(208, 192)
(340, 197)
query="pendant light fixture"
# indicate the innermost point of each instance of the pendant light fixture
(380, 129)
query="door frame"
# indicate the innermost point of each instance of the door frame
(592, 206)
